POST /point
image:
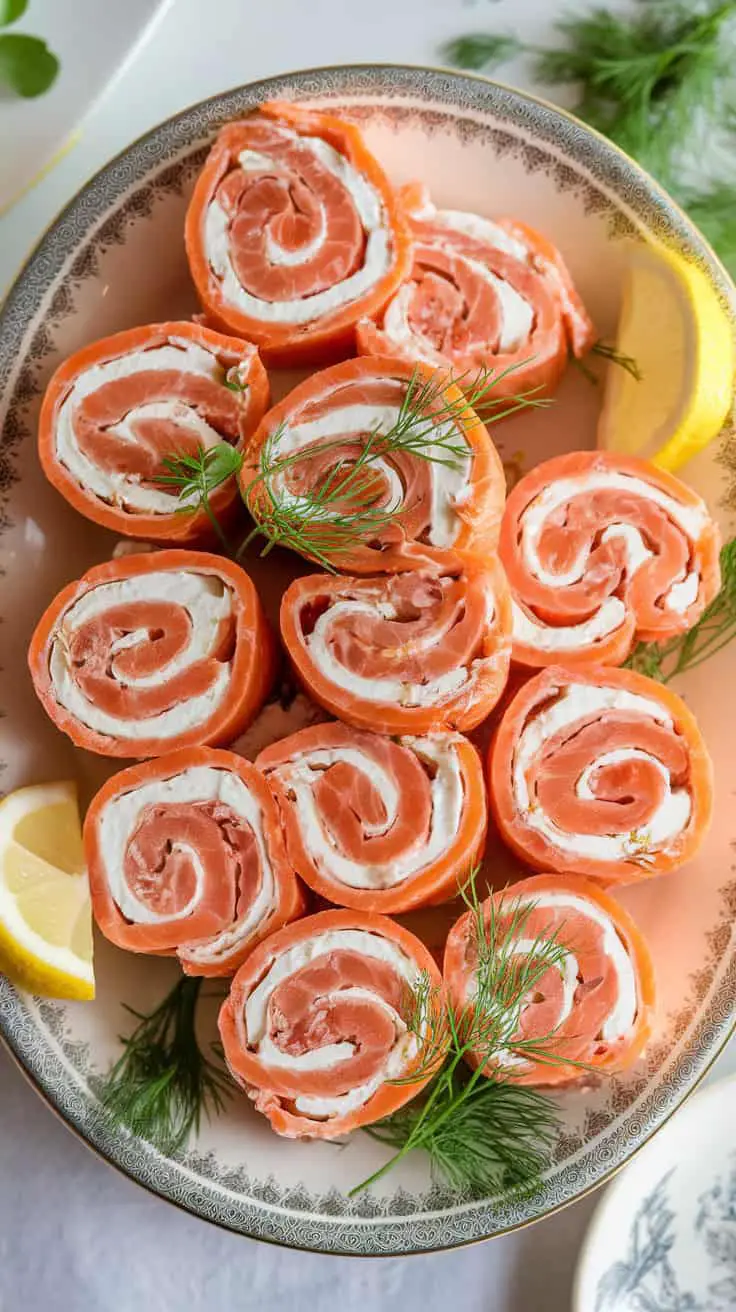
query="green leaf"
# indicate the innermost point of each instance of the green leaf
(11, 10)
(481, 50)
(714, 212)
(26, 64)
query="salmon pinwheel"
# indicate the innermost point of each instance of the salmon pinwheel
(294, 233)
(403, 653)
(378, 823)
(116, 409)
(601, 550)
(185, 855)
(314, 1027)
(481, 295)
(432, 477)
(592, 991)
(154, 651)
(600, 772)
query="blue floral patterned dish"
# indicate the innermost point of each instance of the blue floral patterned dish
(664, 1236)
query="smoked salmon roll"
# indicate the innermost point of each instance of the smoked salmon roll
(293, 233)
(379, 824)
(602, 550)
(154, 651)
(600, 772)
(185, 855)
(481, 295)
(433, 478)
(403, 653)
(315, 1026)
(592, 992)
(114, 411)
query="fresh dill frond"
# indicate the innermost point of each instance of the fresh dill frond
(163, 1083)
(497, 1137)
(654, 81)
(325, 520)
(714, 212)
(715, 629)
(479, 50)
(610, 353)
(196, 477)
(344, 508)
(481, 1130)
(643, 77)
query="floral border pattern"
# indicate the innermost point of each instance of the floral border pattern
(124, 193)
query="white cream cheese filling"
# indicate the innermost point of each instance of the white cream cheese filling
(372, 689)
(118, 488)
(691, 520)
(295, 959)
(300, 774)
(449, 482)
(207, 600)
(533, 632)
(622, 1017)
(122, 815)
(576, 702)
(376, 260)
(517, 315)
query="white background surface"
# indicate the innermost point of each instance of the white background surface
(74, 1235)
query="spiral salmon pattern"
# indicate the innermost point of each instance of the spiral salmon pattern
(444, 487)
(601, 550)
(592, 995)
(293, 232)
(376, 823)
(404, 653)
(315, 1024)
(185, 854)
(153, 651)
(116, 410)
(481, 295)
(600, 772)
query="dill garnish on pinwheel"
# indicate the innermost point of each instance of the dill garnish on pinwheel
(713, 631)
(367, 457)
(481, 1131)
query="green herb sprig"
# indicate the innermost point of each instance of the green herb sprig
(196, 477)
(342, 510)
(27, 66)
(653, 82)
(163, 1083)
(481, 1131)
(713, 631)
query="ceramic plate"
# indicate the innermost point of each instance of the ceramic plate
(664, 1235)
(115, 258)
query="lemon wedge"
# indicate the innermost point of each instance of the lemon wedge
(674, 327)
(45, 913)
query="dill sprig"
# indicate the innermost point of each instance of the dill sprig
(605, 351)
(163, 1082)
(653, 81)
(610, 353)
(327, 519)
(714, 212)
(344, 508)
(481, 1131)
(714, 630)
(197, 476)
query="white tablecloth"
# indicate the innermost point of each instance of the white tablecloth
(75, 1235)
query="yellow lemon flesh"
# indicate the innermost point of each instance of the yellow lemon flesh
(674, 327)
(45, 913)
